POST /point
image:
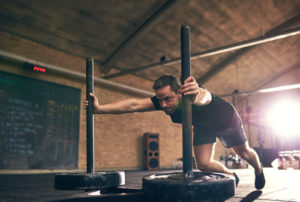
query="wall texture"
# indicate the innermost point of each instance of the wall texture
(118, 138)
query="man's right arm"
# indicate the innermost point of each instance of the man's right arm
(124, 106)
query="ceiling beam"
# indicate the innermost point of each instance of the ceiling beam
(278, 75)
(246, 44)
(138, 34)
(131, 71)
(222, 65)
(225, 63)
(259, 90)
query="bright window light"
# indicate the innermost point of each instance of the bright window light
(284, 118)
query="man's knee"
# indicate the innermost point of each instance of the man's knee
(203, 166)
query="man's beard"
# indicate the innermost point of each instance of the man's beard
(168, 110)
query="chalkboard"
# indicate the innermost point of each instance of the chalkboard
(39, 124)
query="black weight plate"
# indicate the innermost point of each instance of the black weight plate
(98, 180)
(175, 187)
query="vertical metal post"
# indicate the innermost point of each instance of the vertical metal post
(186, 111)
(89, 116)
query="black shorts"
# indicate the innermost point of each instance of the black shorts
(232, 136)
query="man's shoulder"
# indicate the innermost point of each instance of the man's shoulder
(156, 103)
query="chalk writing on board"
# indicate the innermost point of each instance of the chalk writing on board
(39, 124)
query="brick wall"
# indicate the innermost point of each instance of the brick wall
(118, 138)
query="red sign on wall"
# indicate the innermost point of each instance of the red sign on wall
(35, 68)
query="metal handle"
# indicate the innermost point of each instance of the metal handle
(90, 116)
(186, 110)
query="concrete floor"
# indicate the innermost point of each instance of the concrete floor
(281, 185)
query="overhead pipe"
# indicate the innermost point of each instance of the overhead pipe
(223, 49)
(266, 90)
(251, 42)
(77, 75)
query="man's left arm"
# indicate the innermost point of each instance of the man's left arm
(200, 96)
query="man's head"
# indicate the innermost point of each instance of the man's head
(167, 80)
(166, 88)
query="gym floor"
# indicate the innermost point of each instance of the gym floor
(282, 185)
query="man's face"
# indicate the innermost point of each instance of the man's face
(167, 98)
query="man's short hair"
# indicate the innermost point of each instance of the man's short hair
(165, 81)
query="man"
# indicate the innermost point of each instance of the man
(212, 118)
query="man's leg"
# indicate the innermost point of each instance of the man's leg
(249, 155)
(205, 162)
